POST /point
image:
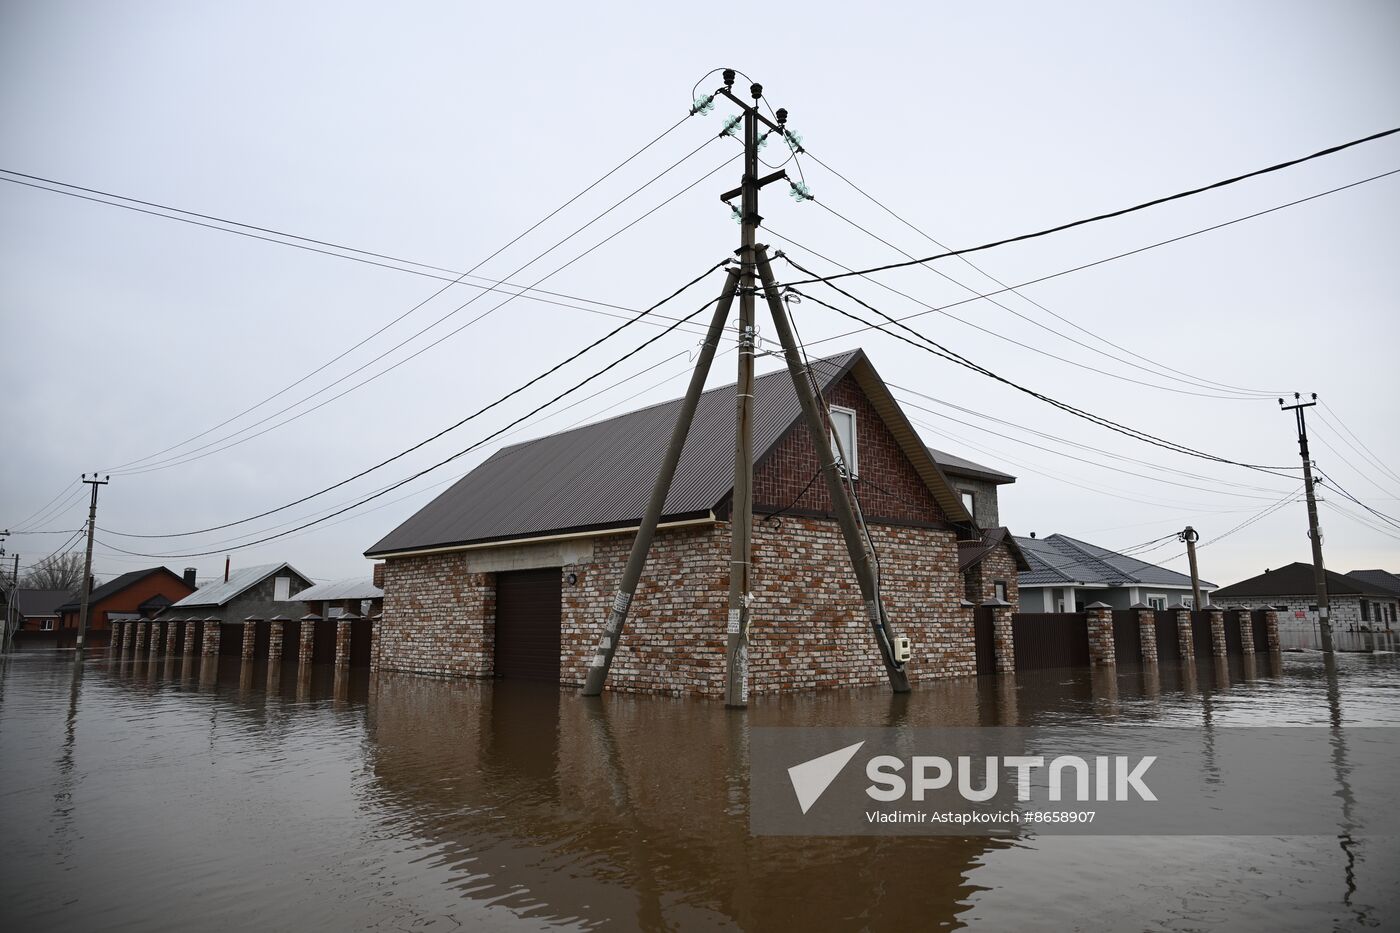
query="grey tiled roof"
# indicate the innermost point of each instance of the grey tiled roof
(1059, 559)
(1379, 579)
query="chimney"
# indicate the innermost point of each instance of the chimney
(190, 577)
(227, 560)
(379, 575)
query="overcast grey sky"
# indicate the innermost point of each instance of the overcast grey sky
(437, 132)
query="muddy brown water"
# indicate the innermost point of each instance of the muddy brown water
(172, 794)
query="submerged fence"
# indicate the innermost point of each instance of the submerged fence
(1124, 637)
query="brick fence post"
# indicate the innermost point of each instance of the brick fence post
(143, 635)
(276, 632)
(342, 638)
(1102, 651)
(1003, 638)
(153, 642)
(1218, 646)
(1271, 626)
(1147, 631)
(1245, 620)
(1184, 638)
(210, 647)
(170, 632)
(374, 641)
(250, 636)
(306, 650)
(118, 629)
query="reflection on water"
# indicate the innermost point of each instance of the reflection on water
(172, 793)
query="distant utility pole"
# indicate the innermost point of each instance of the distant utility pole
(87, 562)
(753, 263)
(1190, 537)
(10, 611)
(1324, 616)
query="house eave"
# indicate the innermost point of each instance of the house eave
(707, 519)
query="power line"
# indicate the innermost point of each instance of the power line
(440, 463)
(478, 265)
(504, 398)
(980, 270)
(931, 346)
(1388, 519)
(997, 334)
(1264, 513)
(1123, 255)
(1062, 440)
(1093, 463)
(419, 268)
(200, 452)
(1377, 461)
(1111, 214)
(1214, 393)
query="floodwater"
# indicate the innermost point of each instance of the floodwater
(167, 794)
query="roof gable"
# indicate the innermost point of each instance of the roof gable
(238, 583)
(117, 584)
(600, 476)
(1295, 579)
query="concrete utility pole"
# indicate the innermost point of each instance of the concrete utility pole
(87, 563)
(736, 649)
(11, 611)
(1324, 616)
(1190, 537)
(752, 260)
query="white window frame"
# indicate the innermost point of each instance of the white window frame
(969, 500)
(1189, 602)
(838, 448)
(999, 589)
(281, 589)
(1154, 598)
(46, 625)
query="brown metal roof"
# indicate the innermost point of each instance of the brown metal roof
(599, 476)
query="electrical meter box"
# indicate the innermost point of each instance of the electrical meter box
(901, 649)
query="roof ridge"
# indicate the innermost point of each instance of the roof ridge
(844, 357)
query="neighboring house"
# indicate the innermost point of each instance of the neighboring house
(343, 597)
(1354, 600)
(1383, 580)
(135, 595)
(1067, 574)
(976, 485)
(253, 592)
(37, 610)
(512, 570)
(35, 619)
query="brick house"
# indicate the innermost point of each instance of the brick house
(1356, 600)
(510, 572)
(139, 594)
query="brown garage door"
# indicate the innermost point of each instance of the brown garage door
(527, 624)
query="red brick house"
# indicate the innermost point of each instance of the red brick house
(510, 572)
(140, 594)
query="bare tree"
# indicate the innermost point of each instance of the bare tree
(60, 572)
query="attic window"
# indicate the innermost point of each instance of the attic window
(843, 439)
(969, 501)
(281, 589)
